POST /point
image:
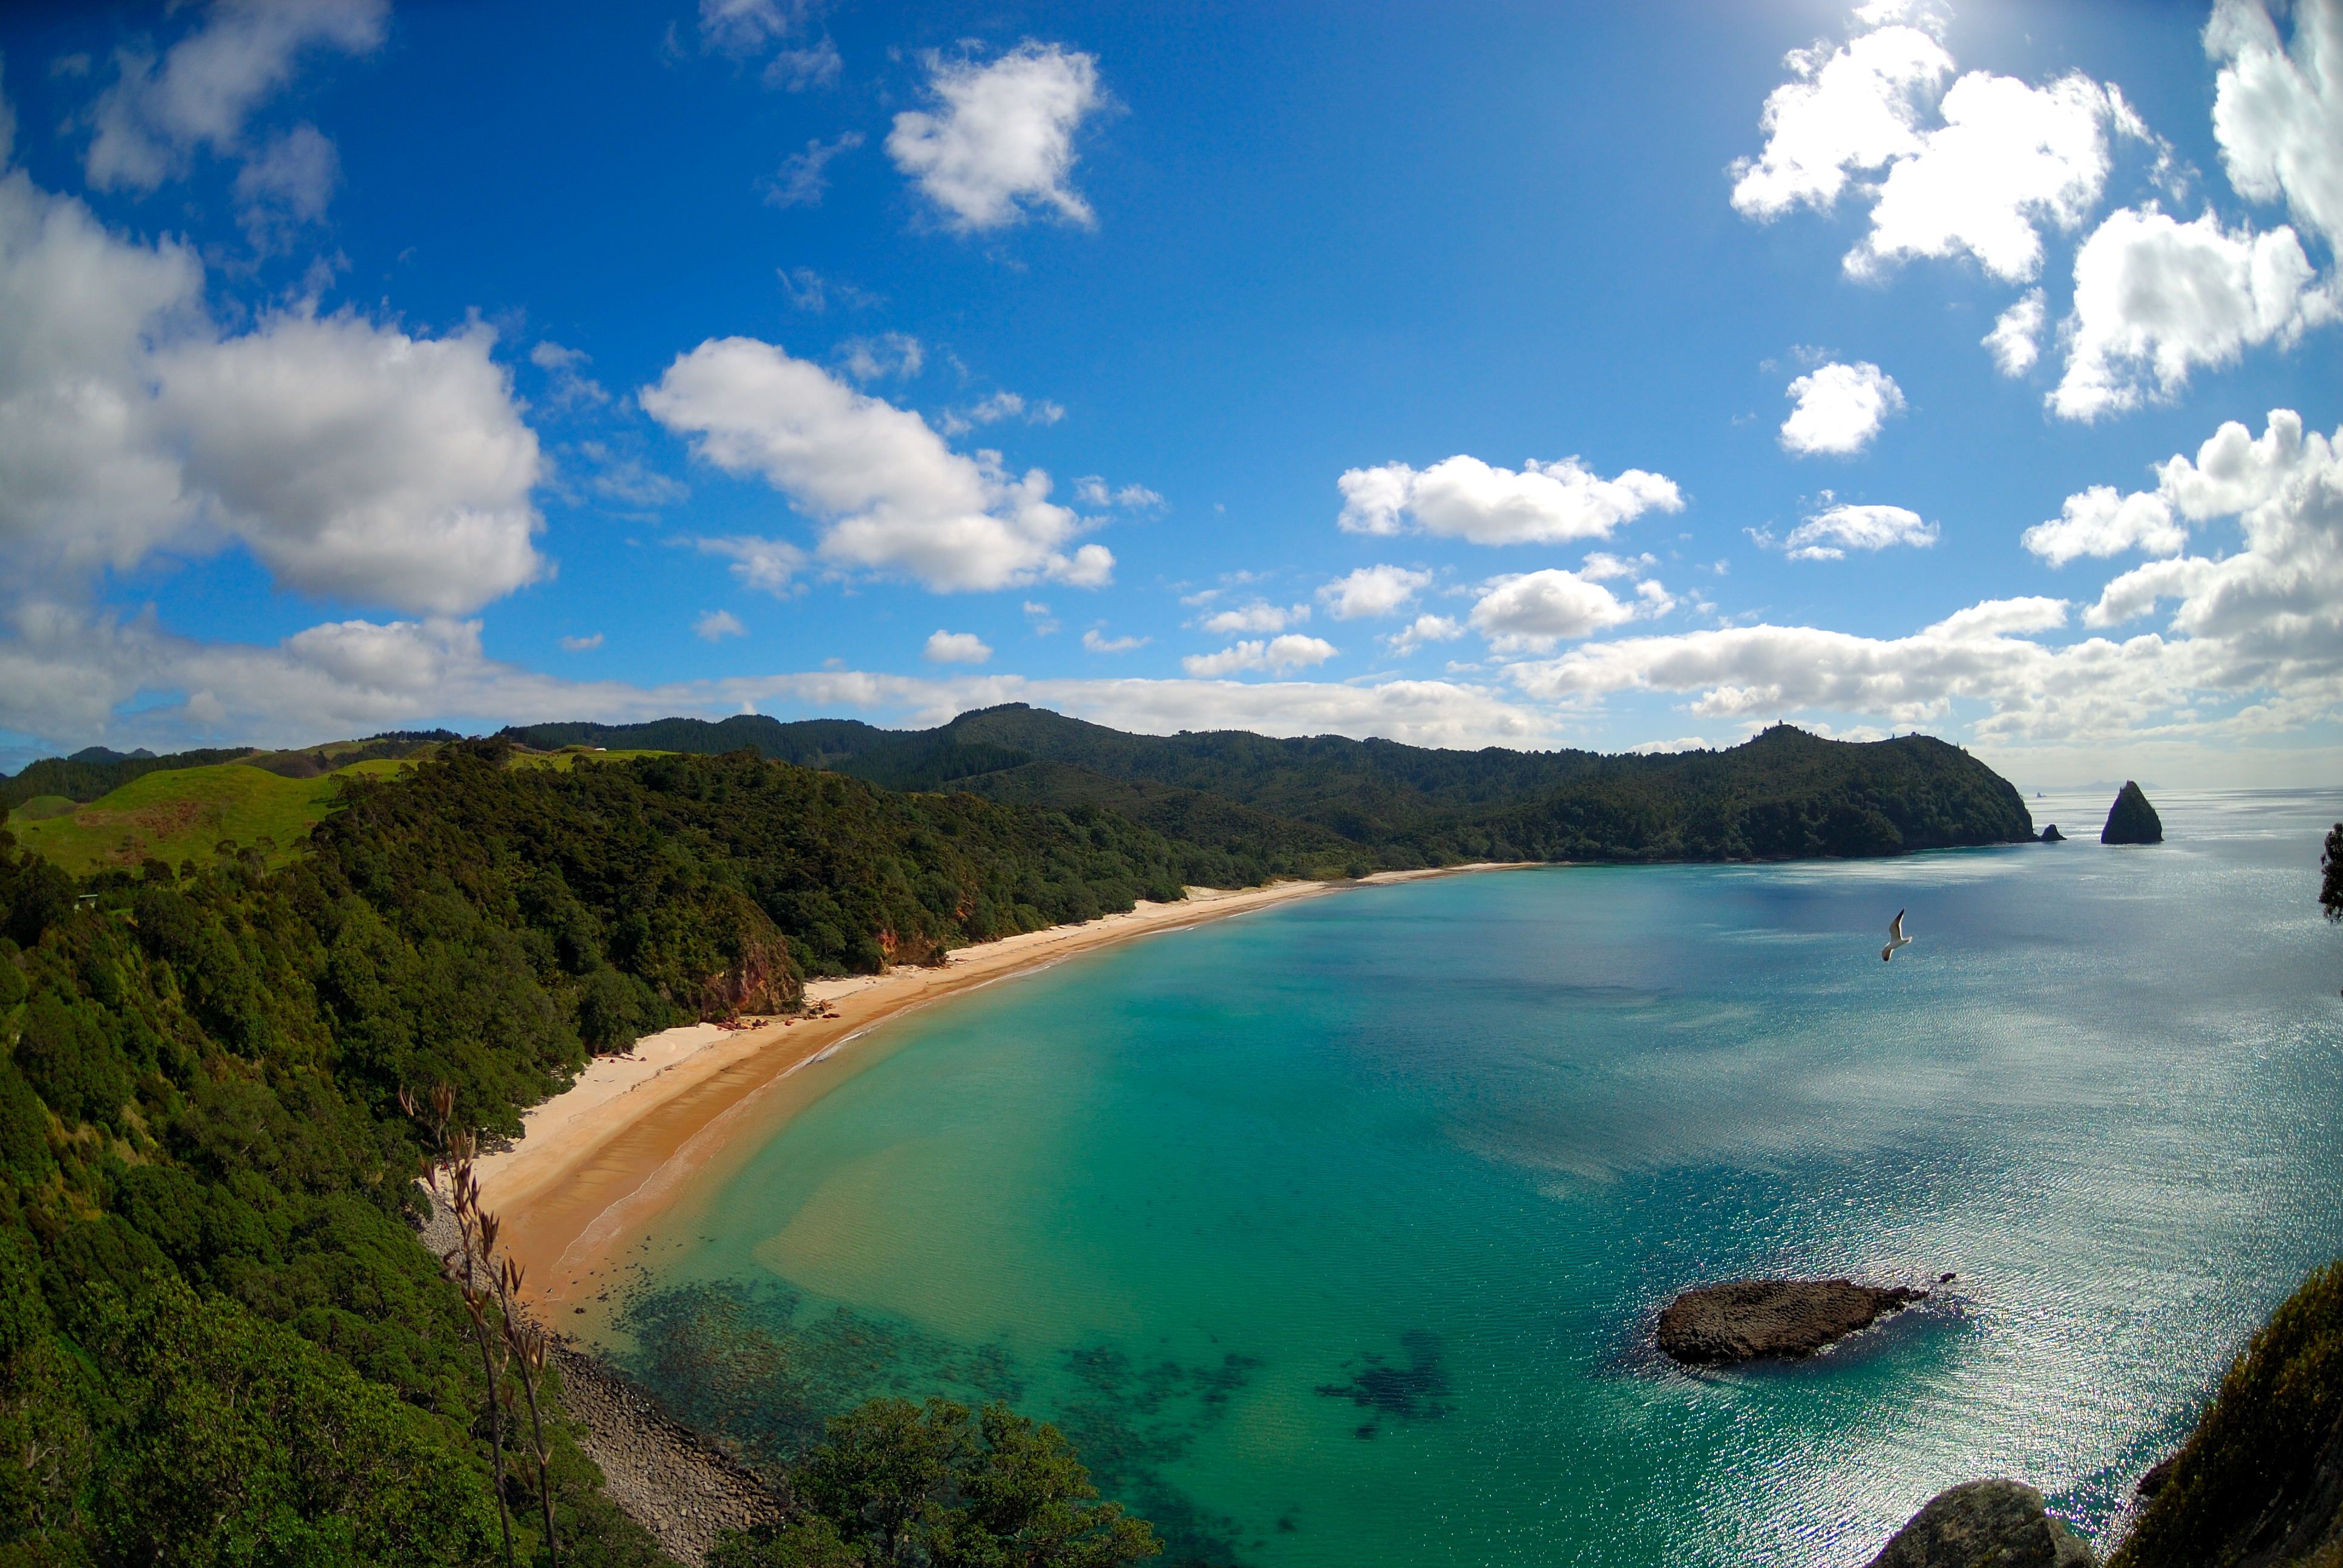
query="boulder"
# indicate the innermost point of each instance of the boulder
(2050, 835)
(2131, 819)
(1746, 1320)
(1986, 1525)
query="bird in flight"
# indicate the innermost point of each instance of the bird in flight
(1896, 937)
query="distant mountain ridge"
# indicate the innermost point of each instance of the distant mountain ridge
(1327, 804)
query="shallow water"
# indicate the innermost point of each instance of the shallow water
(1331, 1234)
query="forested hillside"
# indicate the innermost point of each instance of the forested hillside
(1326, 804)
(220, 1343)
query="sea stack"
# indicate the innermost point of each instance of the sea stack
(2050, 835)
(2131, 819)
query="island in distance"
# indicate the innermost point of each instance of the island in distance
(1758, 1320)
(2131, 819)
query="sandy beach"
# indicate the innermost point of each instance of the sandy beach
(596, 1162)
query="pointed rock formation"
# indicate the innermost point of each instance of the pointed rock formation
(1986, 1525)
(2131, 819)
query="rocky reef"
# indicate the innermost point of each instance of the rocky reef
(1986, 1525)
(2050, 835)
(2131, 819)
(1753, 1320)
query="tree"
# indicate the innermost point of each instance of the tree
(900, 1483)
(2330, 864)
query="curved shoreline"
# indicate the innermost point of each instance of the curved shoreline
(597, 1163)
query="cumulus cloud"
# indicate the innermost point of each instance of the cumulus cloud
(65, 675)
(353, 460)
(956, 647)
(1095, 643)
(1537, 609)
(2278, 112)
(569, 386)
(2156, 299)
(1837, 409)
(891, 497)
(1829, 534)
(1258, 615)
(2261, 627)
(148, 124)
(1464, 497)
(1000, 140)
(800, 182)
(1276, 656)
(1980, 170)
(770, 564)
(2101, 522)
(1372, 591)
(2015, 340)
(288, 181)
(717, 625)
(1423, 629)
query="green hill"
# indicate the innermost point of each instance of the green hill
(1325, 801)
(180, 814)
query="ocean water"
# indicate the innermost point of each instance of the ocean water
(1333, 1234)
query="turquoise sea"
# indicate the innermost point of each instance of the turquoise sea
(1333, 1234)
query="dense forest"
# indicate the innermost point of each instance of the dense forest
(220, 1342)
(1326, 805)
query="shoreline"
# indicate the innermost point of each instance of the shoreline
(597, 1163)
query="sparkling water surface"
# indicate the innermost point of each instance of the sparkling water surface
(1333, 1234)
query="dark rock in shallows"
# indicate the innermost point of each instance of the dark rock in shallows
(1714, 1325)
(2157, 1474)
(2050, 835)
(2131, 819)
(1986, 1525)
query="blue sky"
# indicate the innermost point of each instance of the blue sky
(1521, 375)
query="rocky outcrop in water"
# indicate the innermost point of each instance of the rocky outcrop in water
(2050, 835)
(1986, 1525)
(1751, 1320)
(2131, 819)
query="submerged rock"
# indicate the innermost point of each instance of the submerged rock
(1986, 1525)
(2131, 819)
(1714, 1325)
(2050, 835)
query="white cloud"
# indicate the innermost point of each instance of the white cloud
(891, 496)
(1278, 655)
(288, 181)
(895, 354)
(581, 644)
(2278, 113)
(1980, 172)
(2008, 158)
(1258, 615)
(1002, 140)
(2154, 299)
(353, 460)
(2101, 522)
(1007, 405)
(1372, 591)
(800, 182)
(1423, 629)
(816, 65)
(746, 26)
(569, 386)
(1537, 609)
(64, 675)
(717, 625)
(1464, 497)
(1097, 644)
(1669, 747)
(1848, 110)
(2259, 629)
(1829, 534)
(149, 124)
(759, 563)
(1038, 616)
(1093, 491)
(956, 647)
(2015, 340)
(1838, 408)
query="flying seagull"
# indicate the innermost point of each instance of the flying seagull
(1896, 937)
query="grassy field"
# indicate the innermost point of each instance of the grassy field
(184, 814)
